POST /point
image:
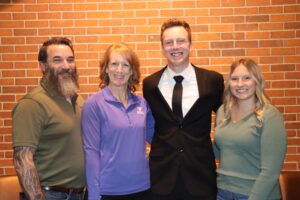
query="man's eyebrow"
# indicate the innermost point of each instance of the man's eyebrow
(63, 57)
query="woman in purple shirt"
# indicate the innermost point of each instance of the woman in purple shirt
(116, 124)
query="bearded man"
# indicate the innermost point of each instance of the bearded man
(48, 152)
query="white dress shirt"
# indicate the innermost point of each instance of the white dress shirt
(190, 91)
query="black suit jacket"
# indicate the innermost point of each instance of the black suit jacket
(184, 147)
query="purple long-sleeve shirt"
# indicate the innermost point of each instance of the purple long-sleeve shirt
(114, 144)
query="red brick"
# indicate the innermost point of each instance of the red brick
(134, 5)
(292, 8)
(246, 27)
(283, 34)
(184, 4)
(273, 76)
(271, 26)
(85, 7)
(277, 2)
(292, 92)
(22, 16)
(283, 84)
(36, 8)
(233, 52)
(258, 3)
(10, 171)
(221, 11)
(5, 130)
(122, 13)
(246, 44)
(222, 28)
(11, 8)
(292, 42)
(285, 68)
(292, 59)
(292, 75)
(50, 31)
(245, 11)
(49, 16)
(233, 19)
(26, 49)
(233, 36)
(215, 45)
(257, 52)
(285, 101)
(270, 43)
(208, 3)
(283, 51)
(110, 22)
(232, 3)
(270, 10)
(110, 6)
(60, 7)
(5, 162)
(208, 53)
(259, 18)
(208, 20)
(292, 25)
(277, 59)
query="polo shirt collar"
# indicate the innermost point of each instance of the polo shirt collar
(132, 99)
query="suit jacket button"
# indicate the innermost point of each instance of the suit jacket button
(180, 149)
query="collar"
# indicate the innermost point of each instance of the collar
(108, 96)
(188, 73)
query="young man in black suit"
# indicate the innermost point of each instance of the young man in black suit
(182, 162)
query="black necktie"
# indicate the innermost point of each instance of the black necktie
(177, 97)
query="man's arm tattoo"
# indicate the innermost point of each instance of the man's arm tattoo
(27, 173)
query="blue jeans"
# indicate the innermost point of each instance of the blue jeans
(53, 195)
(227, 195)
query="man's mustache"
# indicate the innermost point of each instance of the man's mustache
(65, 71)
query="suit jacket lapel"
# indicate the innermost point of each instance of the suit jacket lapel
(200, 81)
(201, 86)
(158, 94)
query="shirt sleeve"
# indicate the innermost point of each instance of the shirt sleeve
(216, 149)
(91, 142)
(150, 124)
(28, 122)
(273, 149)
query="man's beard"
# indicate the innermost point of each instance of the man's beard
(64, 81)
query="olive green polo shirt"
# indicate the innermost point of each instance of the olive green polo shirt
(45, 120)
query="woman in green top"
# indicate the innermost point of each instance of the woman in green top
(250, 138)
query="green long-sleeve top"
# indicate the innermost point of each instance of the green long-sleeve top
(251, 156)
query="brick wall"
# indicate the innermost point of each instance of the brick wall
(223, 30)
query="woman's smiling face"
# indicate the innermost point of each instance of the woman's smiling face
(242, 84)
(119, 70)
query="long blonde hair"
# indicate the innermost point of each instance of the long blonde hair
(261, 98)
